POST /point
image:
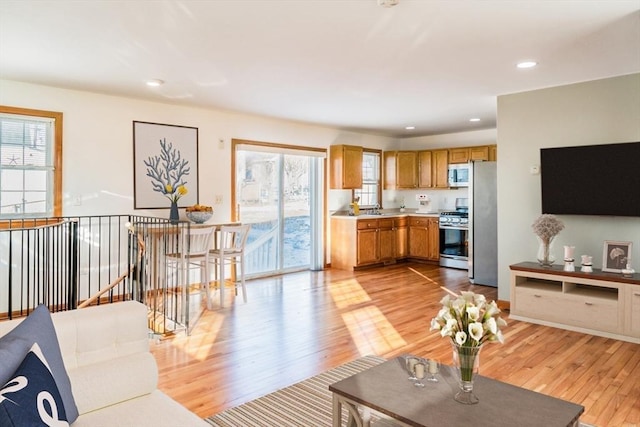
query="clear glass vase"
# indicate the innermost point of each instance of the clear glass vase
(466, 361)
(545, 252)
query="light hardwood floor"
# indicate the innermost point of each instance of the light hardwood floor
(298, 325)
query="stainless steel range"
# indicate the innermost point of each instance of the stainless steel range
(454, 237)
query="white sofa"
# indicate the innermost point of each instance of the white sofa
(105, 350)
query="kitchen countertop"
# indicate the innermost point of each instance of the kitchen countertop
(391, 213)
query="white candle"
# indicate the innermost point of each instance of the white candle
(568, 252)
(433, 367)
(412, 365)
(420, 370)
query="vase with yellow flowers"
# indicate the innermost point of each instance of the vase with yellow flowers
(174, 195)
(168, 172)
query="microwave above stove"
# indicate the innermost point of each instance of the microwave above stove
(459, 175)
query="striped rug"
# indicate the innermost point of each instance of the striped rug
(304, 404)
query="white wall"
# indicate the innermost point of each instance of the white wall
(596, 112)
(98, 144)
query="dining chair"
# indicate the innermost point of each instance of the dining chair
(193, 251)
(230, 249)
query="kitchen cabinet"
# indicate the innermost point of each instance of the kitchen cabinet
(368, 241)
(431, 169)
(400, 169)
(345, 166)
(458, 155)
(387, 240)
(424, 238)
(368, 247)
(440, 166)
(402, 238)
(479, 153)
(493, 153)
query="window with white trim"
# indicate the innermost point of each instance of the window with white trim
(370, 192)
(30, 159)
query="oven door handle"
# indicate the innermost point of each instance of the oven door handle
(444, 227)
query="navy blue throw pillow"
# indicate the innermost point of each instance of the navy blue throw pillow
(30, 397)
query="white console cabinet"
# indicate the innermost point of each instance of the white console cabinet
(604, 304)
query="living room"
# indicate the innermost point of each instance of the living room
(599, 111)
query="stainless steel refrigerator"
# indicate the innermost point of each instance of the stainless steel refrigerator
(483, 224)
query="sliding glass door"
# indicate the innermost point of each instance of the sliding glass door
(277, 192)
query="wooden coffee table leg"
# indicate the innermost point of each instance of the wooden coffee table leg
(337, 411)
(354, 419)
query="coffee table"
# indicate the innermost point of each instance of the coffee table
(386, 390)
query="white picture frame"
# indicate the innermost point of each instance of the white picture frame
(616, 255)
(147, 144)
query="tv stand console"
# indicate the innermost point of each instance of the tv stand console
(598, 303)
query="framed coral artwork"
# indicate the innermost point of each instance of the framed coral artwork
(165, 165)
(615, 256)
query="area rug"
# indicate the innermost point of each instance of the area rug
(304, 404)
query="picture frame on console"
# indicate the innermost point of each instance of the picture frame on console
(615, 255)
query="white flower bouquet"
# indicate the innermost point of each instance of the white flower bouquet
(469, 320)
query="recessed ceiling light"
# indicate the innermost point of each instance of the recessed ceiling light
(527, 64)
(474, 119)
(410, 127)
(155, 82)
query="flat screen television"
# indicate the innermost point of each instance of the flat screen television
(591, 180)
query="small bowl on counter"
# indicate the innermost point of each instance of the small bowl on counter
(199, 214)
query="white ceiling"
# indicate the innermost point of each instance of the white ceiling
(350, 64)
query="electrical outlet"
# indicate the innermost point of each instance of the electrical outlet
(218, 199)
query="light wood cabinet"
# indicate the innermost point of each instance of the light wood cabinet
(493, 153)
(425, 169)
(402, 237)
(440, 166)
(479, 153)
(596, 303)
(345, 165)
(434, 240)
(387, 240)
(433, 168)
(400, 169)
(633, 300)
(364, 242)
(458, 155)
(424, 238)
(367, 246)
(428, 168)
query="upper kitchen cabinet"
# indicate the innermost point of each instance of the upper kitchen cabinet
(432, 169)
(440, 165)
(493, 153)
(425, 169)
(479, 153)
(466, 154)
(401, 169)
(459, 155)
(345, 166)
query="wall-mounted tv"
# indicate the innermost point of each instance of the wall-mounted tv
(591, 180)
